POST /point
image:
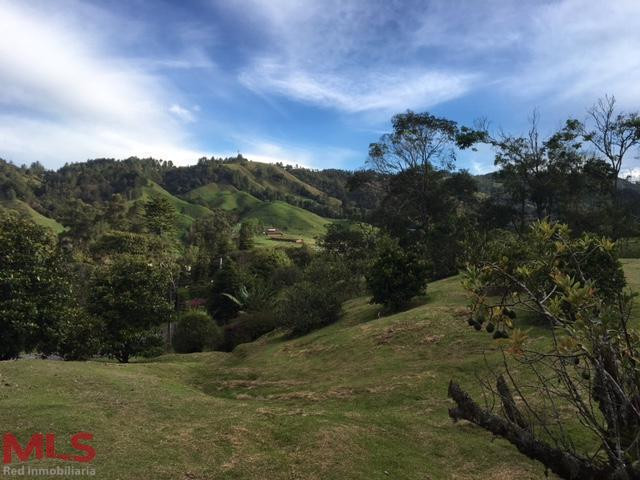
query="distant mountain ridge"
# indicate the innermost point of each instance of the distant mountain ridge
(272, 193)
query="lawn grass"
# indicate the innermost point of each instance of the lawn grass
(364, 398)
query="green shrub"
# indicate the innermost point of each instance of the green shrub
(79, 337)
(596, 257)
(247, 328)
(196, 331)
(396, 276)
(308, 305)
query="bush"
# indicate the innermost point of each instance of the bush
(247, 328)
(307, 306)
(227, 292)
(265, 263)
(196, 331)
(525, 257)
(396, 276)
(79, 337)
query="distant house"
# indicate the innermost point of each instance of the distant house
(272, 231)
(276, 234)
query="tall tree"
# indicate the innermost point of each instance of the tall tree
(131, 295)
(245, 236)
(35, 293)
(160, 215)
(613, 133)
(423, 194)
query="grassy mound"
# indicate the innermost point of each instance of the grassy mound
(363, 398)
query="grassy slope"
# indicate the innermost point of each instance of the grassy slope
(225, 197)
(250, 171)
(187, 212)
(364, 398)
(38, 218)
(289, 218)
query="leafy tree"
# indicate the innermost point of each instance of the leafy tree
(418, 142)
(267, 263)
(354, 243)
(113, 243)
(423, 195)
(245, 236)
(35, 293)
(81, 219)
(315, 300)
(578, 410)
(131, 297)
(228, 292)
(196, 331)
(116, 211)
(396, 276)
(612, 133)
(210, 236)
(79, 336)
(160, 215)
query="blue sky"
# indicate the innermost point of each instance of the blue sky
(307, 82)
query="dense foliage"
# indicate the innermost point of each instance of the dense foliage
(196, 331)
(36, 294)
(588, 370)
(396, 276)
(130, 296)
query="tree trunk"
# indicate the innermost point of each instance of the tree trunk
(564, 464)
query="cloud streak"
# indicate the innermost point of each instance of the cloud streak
(61, 93)
(344, 55)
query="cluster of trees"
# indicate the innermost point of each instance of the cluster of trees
(109, 299)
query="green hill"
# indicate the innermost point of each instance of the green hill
(38, 218)
(288, 218)
(187, 212)
(225, 197)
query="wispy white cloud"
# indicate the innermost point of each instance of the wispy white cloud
(579, 49)
(388, 91)
(359, 55)
(343, 55)
(182, 113)
(63, 93)
(268, 150)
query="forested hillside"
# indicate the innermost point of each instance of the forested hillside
(90, 195)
